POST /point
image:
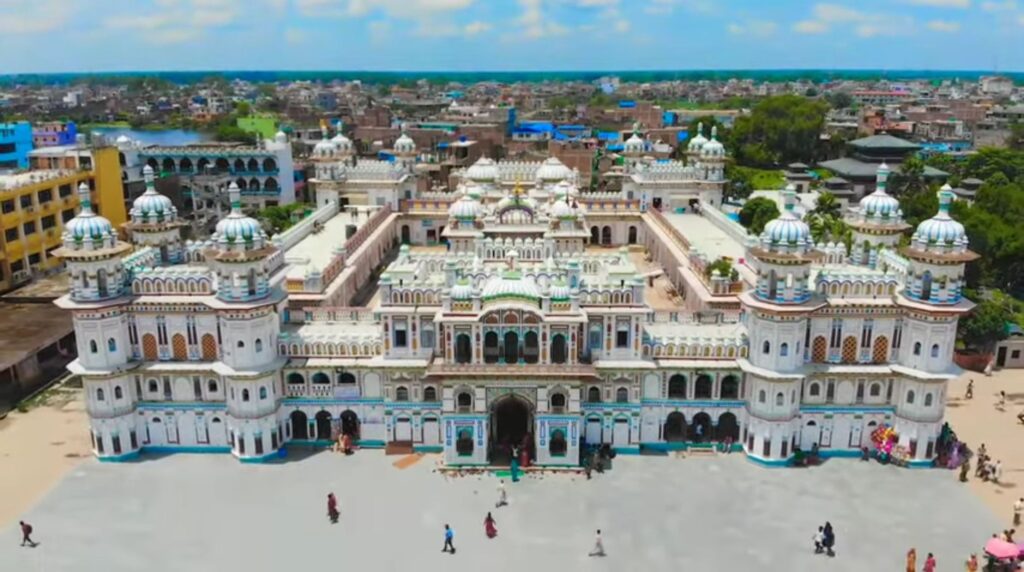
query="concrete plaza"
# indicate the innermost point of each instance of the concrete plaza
(208, 512)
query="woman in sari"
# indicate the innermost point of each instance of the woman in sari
(912, 560)
(489, 529)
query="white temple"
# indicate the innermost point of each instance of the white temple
(514, 310)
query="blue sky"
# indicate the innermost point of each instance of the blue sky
(121, 35)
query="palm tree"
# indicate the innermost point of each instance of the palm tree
(828, 205)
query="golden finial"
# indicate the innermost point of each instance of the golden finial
(518, 190)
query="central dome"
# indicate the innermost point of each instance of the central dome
(484, 170)
(511, 285)
(553, 170)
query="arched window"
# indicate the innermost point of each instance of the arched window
(93, 348)
(111, 345)
(153, 387)
(464, 401)
(245, 395)
(347, 379)
(295, 379)
(779, 399)
(429, 394)
(677, 387)
(762, 396)
(463, 349)
(558, 402)
(594, 395)
(557, 446)
(241, 344)
(99, 394)
(928, 400)
(917, 348)
(263, 393)
(730, 388)
(784, 349)
(211, 386)
(875, 390)
(926, 285)
(118, 392)
(259, 345)
(622, 395)
(464, 443)
(910, 397)
(814, 390)
(935, 350)
(558, 351)
(401, 393)
(766, 347)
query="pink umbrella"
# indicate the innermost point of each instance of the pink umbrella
(1001, 549)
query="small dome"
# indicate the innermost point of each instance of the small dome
(634, 145)
(560, 209)
(553, 170)
(516, 200)
(940, 230)
(237, 227)
(87, 224)
(341, 143)
(122, 140)
(151, 206)
(560, 291)
(713, 149)
(463, 290)
(280, 137)
(697, 142)
(405, 144)
(485, 170)
(465, 209)
(787, 229)
(325, 148)
(511, 285)
(880, 204)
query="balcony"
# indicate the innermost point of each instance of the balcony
(511, 370)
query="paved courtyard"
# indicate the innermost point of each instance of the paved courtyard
(199, 512)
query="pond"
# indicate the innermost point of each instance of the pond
(168, 137)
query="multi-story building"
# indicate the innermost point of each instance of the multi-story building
(519, 333)
(54, 134)
(15, 143)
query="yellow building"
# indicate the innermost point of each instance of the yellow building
(34, 205)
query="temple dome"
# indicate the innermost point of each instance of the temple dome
(941, 229)
(880, 204)
(787, 229)
(713, 149)
(560, 291)
(87, 224)
(405, 144)
(561, 209)
(485, 170)
(237, 227)
(511, 285)
(697, 142)
(341, 143)
(325, 148)
(151, 206)
(463, 290)
(553, 170)
(466, 208)
(634, 145)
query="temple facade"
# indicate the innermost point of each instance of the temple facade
(515, 311)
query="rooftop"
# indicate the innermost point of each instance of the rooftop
(18, 180)
(27, 328)
(706, 237)
(855, 168)
(884, 141)
(316, 251)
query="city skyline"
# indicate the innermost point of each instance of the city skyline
(521, 35)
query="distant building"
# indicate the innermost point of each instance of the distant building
(996, 85)
(54, 133)
(868, 153)
(15, 143)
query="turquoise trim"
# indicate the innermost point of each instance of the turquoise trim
(634, 450)
(184, 449)
(311, 443)
(119, 458)
(428, 448)
(165, 405)
(922, 464)
(839, 453)
(371, 443)
(720, 404)
(664, 447)
(330, 401)
(256, 460)
(770, 463)
(835, 409)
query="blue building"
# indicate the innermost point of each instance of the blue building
(15, 143)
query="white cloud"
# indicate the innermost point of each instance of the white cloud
(35, 16)
(863, 24)
(404, 9)
(941, 3)
(536, 23)
(755, 28)
(944, 26)
(1005, 6)
(474, 28)
(810, 27)
(622, 26)
(294, 36)
(380, 31)
(177, 21)
(172, 35)
(592, 3)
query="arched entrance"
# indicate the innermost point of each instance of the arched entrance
(595, 235)
(727, 427)
(700, 431)
(405, 234)
(675, 427)
(511, 423)
(350, 423)
(300, 425)
(323, 426)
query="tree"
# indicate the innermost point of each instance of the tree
(828, 206)
(827, 228)
(839, 99)
(757, 212)
(723, 266)
(738, 182)
(909, 179)
(243, 109)
(278, 219)
(985, 326)
(779, 130)
(1016, 139)
(234, 133)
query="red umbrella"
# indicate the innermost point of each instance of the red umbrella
(1001, 549)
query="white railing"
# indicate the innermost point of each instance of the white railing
(734, 229)
(289, 238)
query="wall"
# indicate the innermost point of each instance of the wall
(15, 143)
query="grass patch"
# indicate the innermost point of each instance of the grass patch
(56, 396)
(762, 179)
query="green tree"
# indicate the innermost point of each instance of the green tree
(233, 133)
(909, 179)
(243, 109)
(828, 228)
(985, 326)
(828, 206)
(756, 213)
(839, 99)
(1016, 139)
(280, 218)
(738, 182)
(779, 130)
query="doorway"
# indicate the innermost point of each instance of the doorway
(323, 426)
(403, 430)
(511, 419)
(1001, 357)
(350, 424)
(675, 428)
(620, 434)
(300, 426)
(593, 434)
(405, 234)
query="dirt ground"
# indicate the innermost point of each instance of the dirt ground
(38, 448)
(978, 421)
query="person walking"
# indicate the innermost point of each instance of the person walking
(819, 540)
(969, 394)
(26, 534)
(830, 539)
(965, 468)
(489, 526)
(449, 536)
(997, 472)
(1020, 416)
(1001, 404)
(972, 563)
(929, 564)
(502, 495)
(1017, 507)
(912, 560)
(514, 468)
(598, 545)
(332, 508)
